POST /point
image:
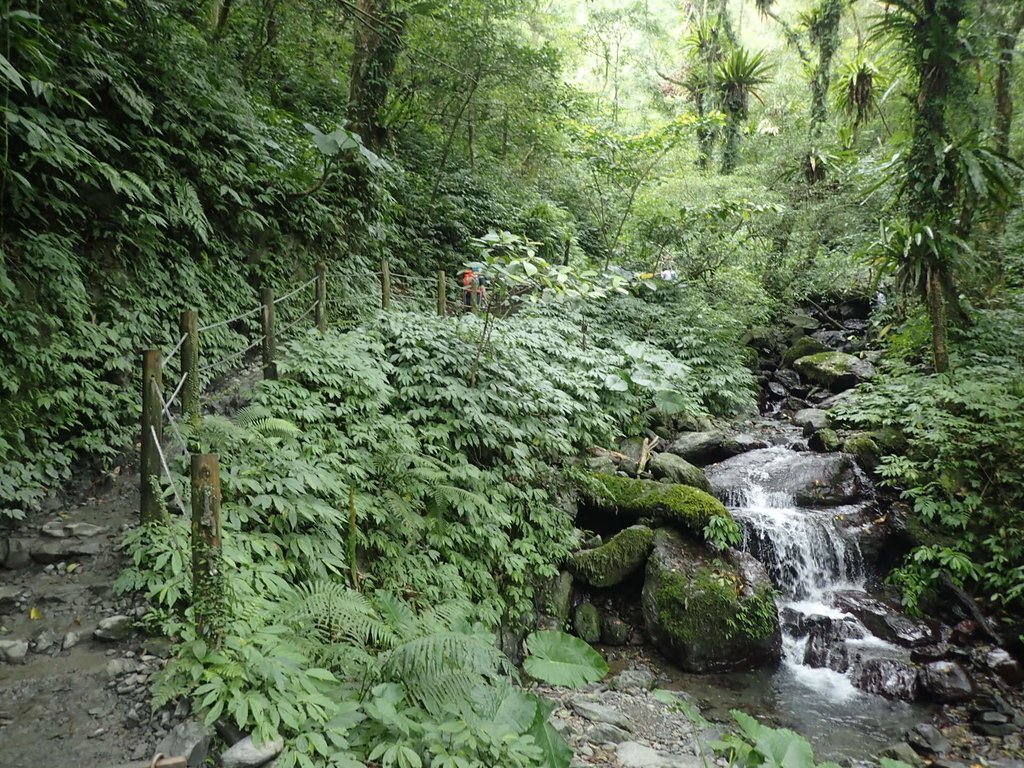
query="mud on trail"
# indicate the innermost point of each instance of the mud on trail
(70, 694)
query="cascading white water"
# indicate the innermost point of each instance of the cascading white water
(809, 560)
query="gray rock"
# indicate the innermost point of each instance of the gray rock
(886, 620)
(114, 628)
(605, 733)
(9, 598)
(904, 752)
(245, 754)
(927, 739)
(45, 639)
(946, 682)
(190, 739)
(70, 641)
(676, 469)
(702, 447)
(811, 479)
(614, 631)
(54, 529)
(13, 651)
(84, 530)
(632, 754)
(891, 678)
(118, 667)
(599, 713)
(53, 552)
(555, 598)
(836, 371)
(633, 679)
(586, 621)
(810, 420)
(15, 553)
(1004, 665)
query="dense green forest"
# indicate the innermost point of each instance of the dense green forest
(403, 486)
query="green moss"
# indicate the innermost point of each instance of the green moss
(706, 608)
(685, 508)
(803, 347)
(587, 622)
(826, 440)
(611, 563)
(864, 448)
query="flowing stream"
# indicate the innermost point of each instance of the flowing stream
(810, 560)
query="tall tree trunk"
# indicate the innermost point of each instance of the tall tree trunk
(1005, 46)
(937, 315)
(377, 40)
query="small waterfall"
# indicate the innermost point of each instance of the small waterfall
(803, 550)
(809, 559)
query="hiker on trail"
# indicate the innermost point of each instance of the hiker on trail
(481, 288)
(470, 285)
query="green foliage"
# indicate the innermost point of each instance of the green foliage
(959, 466)
(759, 745)
(560, 659)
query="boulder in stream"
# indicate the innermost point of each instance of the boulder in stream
(810, 420)
(676, 469)
(681, 506)
(811, 479)
(891, 678)
(707, 615)
(706, 447)
(886, 620)
(803, 347)
(613, 562)
(836, 371)
(946, 682)
(826, 641)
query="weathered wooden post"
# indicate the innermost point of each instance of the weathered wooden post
(207, 597)
(269, 345)
(385, 285)
(321, 297)
(152, 434)
(190, 366)
(442, 293)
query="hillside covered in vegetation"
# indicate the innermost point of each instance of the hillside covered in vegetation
(657, 193)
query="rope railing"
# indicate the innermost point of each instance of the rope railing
(167, 471)
(230, 320)
(298, 290)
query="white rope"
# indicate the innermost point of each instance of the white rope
(173, 352)
(165, 406)
(177, 390)
(234, 319)
(167, 472)
(296, 321)
(302, 287)
(237, 354)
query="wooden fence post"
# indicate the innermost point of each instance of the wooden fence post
(321, 297)
(385, 285)
(442, 293)
(152, 434)
(190, 366)
(269, 345)
(207, 596)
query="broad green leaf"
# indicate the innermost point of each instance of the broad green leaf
(561, 659)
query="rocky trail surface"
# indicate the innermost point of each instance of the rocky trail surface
(74, 672)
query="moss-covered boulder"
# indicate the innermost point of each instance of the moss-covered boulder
(864, 449)
(802, 347)
(681, 506)
(614, 631)
(836, 371)
(706, 615)
(554, 599)
(676, 469)
(611, 563)
(586, 621)
(824, 441)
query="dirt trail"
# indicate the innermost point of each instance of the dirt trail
(70, 697)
